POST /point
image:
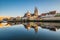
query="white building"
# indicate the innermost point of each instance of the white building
(48, 15)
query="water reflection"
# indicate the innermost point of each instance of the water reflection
(35, 25)
(28, 25)
(31, 25)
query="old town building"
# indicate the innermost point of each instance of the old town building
(49, 14)
(33, 16)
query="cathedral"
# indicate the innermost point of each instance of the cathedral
(34, 15)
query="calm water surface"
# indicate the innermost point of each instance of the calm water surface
(30, 31)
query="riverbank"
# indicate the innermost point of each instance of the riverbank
(32, 21)
(51, 19)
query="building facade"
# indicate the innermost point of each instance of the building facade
(32, 16)
(49, 14)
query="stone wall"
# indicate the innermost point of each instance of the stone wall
(52, 18)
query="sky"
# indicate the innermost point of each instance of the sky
(20, 7)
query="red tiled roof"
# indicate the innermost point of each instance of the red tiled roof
(43, 14)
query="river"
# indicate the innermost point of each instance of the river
(30, 31)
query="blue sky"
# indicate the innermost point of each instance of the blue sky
(20, 7)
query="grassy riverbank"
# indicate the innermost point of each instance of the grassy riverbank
(33, 21)
(36, 21)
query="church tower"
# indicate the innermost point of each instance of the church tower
(36, 11)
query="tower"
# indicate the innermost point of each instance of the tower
(27, 14)
(36, 11)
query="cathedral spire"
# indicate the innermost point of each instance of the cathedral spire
(36, 11)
